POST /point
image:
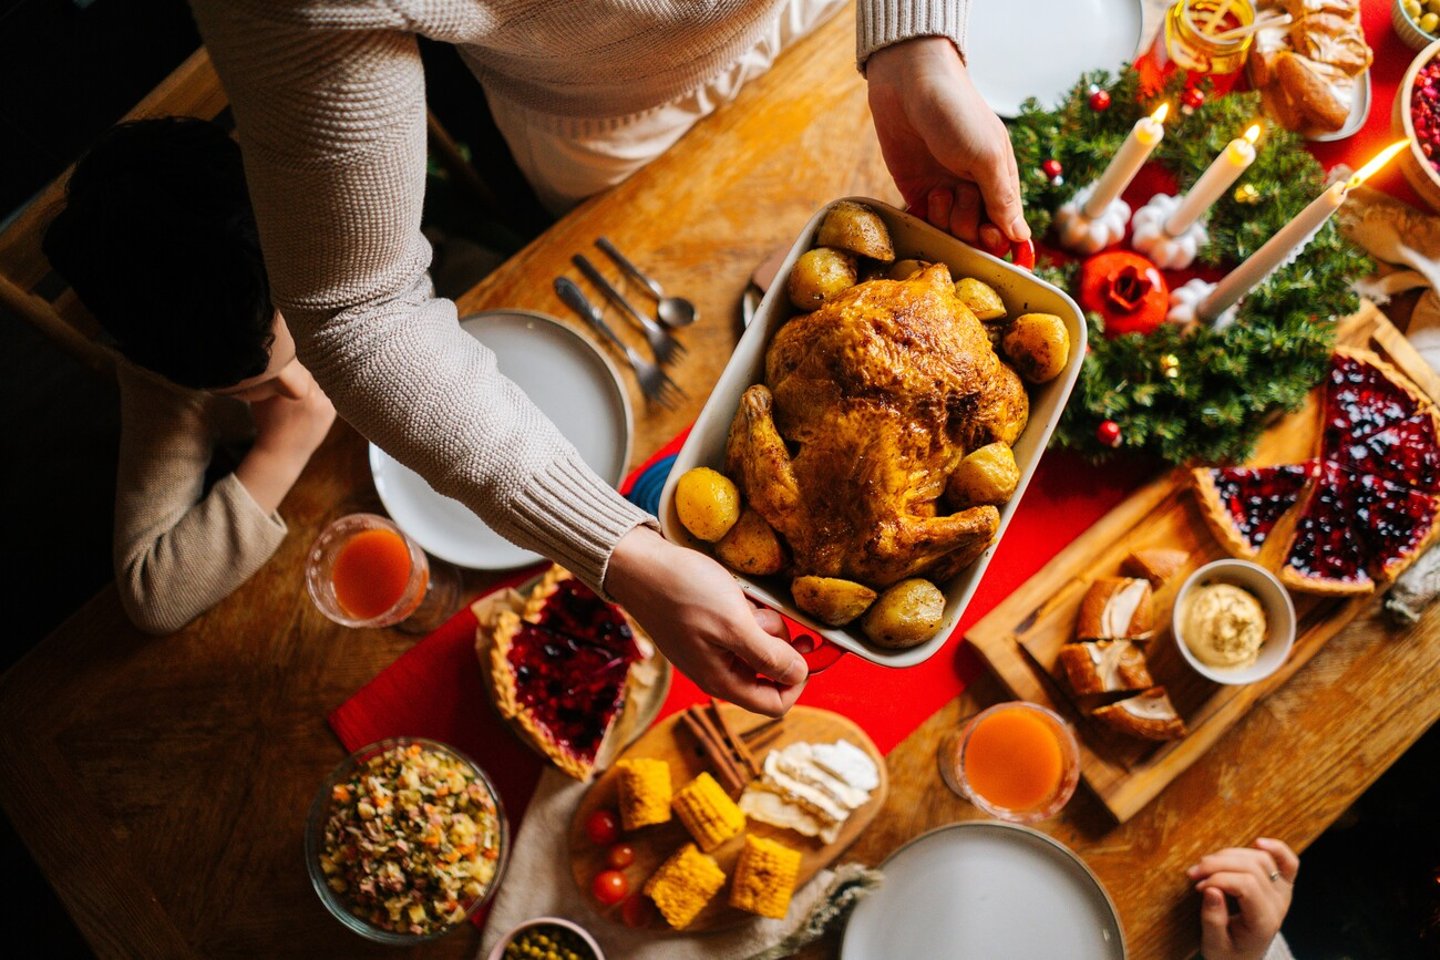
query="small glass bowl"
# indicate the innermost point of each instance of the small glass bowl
(952, 764)
(315, 838)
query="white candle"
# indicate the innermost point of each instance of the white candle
(1289, 241)
(1234, 160)
(1144, 137)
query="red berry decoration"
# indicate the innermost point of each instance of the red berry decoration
(1051, 168)
(1100, 100)
(1127, 290)
(610, 887)
(620, 856)
(602, 827)
(1108, 433)
(637, 911)
(1192, 99)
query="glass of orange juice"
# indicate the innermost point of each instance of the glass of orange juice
(1016, 761)
(363, 572)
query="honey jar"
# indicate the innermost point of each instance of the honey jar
(1204, 39)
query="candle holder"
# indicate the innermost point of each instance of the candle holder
(1148, 235)
(1081, 233)
(1185, 303)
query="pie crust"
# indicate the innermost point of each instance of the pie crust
(561, 669)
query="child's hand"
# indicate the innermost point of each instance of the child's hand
(1260, 880)
(293, 424)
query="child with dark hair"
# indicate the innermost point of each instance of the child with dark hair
(158, 240)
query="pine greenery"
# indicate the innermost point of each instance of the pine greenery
(1229, 383)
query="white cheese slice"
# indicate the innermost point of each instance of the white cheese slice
(769, 807)
(848, 762)
(814, 800)
(797, 761)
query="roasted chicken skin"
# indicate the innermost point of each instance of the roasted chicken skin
(869, 403)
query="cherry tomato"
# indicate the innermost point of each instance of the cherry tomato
(620, 856)
(602, 827)
(637, 911)
(610, 887)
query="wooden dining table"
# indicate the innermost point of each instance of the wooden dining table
(162, 784)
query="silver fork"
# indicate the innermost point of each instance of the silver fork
(665, 347)
(654, 384)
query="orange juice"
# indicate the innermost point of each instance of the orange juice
(1013, 759)
(371, 573)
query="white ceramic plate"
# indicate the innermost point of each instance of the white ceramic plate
(983, 889)
(1040, 48)
(570, 381)
(1022, 293)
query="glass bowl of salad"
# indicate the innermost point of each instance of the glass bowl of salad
(406, 839)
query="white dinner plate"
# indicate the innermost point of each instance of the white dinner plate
(1041, 47)
(980, 890)
(569, 380)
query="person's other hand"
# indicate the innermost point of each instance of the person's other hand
(693, 609)
(1260, 880)
(295, 419)
(949, 153)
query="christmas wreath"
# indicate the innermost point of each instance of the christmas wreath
(1196, 394)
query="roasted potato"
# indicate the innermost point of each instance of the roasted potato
(751, 546)
(905, 269)
(1039, 346)
(987, 475)
(981, 298)
(830, 599)
(707, 503)
(819, 275)
(855, 227)
(905, 615)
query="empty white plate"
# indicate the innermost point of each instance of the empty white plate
(569, 380)
(1040, 48)
(980, 890)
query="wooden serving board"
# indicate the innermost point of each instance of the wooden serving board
(1020, 639)
(671, 742)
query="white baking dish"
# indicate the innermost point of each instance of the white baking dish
(914, 238)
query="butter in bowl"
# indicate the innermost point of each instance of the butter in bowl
(1234, 622)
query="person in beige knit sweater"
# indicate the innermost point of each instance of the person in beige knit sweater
(158, 240)
(330, 104)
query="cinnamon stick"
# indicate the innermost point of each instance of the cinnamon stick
(726, 770)
(733, 741)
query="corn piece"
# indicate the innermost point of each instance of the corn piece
(644, 792)
(765, 877)
(708, 812)
(684, 884)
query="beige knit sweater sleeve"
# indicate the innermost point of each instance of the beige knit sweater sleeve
(879, 23)
(179, 549)
(332, 121)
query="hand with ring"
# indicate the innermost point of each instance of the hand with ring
(1259, 880)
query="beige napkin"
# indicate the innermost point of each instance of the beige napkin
(538, 883)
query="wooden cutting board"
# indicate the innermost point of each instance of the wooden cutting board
(1020, 639)
(671, 742)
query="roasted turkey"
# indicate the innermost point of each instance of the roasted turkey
(869, 403)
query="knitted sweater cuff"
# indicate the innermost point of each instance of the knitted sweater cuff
(575, 521)
(879, 23)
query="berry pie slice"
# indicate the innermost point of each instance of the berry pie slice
(1397, 523)
(1242, 505)
(1330, 553)
(561, 669)
(1405, 453)
(1364, 395)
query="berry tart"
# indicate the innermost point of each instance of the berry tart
(1364, 509)
(562, 668)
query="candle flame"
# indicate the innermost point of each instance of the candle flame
(1373, 167)
(1252, 134)
(1161, 113)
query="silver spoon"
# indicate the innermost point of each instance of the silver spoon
(673, 311)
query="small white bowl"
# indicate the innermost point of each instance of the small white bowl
(1279, 619)
(498, 953)
(1408, 29)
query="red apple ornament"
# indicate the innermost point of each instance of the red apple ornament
(1127, 290)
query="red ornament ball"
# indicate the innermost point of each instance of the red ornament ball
(1127, 290)
(1108, 433)
(1051, 168)
(1100, 100)
(1192, 99)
